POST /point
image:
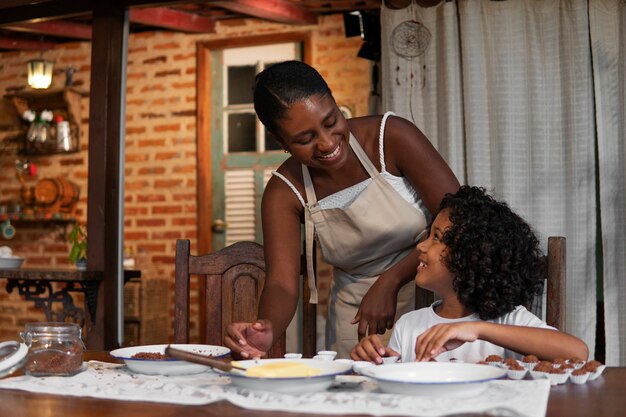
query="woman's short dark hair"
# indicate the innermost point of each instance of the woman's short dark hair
(280, 85)
(492, 251)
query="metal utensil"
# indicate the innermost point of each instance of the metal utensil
(201, 359)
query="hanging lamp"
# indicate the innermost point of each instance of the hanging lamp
(40, 73)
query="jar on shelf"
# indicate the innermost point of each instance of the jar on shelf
(55, 348)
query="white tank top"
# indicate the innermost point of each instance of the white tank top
(343, 198)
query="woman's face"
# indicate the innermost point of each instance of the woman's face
(432, 272)
(315, 132)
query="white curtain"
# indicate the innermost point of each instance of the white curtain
(505, 91)
(607, 20)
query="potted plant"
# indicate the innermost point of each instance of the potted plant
(78, 253)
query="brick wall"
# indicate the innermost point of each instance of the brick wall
(160, 161)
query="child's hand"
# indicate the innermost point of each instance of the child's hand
(371, 349)
(444, 337)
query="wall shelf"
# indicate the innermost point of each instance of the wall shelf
(39, 220)
(61, 101)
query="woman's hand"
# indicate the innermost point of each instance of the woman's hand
(377, 310)
(371, 349)
(444, 337)
(249, 340)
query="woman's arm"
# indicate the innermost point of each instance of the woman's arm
(547, 344)
(281, 212)
(409, 153)
(377, 309)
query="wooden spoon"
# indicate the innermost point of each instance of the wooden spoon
(201, 359)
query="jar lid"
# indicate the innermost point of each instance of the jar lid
(12, 357)
(52, 327)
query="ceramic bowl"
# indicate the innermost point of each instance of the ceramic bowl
(441, 379)
(328, 371)
(11, 263)
(169, 366)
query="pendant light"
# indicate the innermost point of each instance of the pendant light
(40, 73)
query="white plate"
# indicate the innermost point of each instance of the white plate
(447, 379)
(329, 369)
(168, 366)
(10, 263)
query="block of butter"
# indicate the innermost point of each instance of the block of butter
(282, 370)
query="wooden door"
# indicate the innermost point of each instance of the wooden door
(235, 159)
(243, 155)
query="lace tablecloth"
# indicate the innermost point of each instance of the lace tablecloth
(350, 394)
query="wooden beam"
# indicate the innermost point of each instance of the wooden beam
(172, 19)
(24, 44)
(276, 10)
(4, 4)
(59, 28)
(105, 197)
(45, 11)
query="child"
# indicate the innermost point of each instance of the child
(484, 263)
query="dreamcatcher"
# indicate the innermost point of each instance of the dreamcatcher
(409, 40)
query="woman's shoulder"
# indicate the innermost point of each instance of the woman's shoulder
(291, 169)
(286, 176)
(365, 128)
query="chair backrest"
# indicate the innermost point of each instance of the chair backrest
(554, 286)
(230, 283)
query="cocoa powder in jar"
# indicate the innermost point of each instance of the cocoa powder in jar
(54, 348)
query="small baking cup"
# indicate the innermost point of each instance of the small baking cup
(516, 374)
(529, 365)
(539, 375)
(558, 378)
(577, 365)
(596, 374)
(579, 379)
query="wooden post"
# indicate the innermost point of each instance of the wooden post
(105, 199)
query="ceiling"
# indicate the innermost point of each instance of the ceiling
(41, 24)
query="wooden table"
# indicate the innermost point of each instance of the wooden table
(604, 397)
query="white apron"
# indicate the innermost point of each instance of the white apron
(361, 241)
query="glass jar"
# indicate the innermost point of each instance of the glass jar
(55, 348)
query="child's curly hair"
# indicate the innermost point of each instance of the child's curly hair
(492, 251)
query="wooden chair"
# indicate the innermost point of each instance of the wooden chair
(555, 268)
(230, 282)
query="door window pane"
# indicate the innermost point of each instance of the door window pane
(271, 144)
(241, 132)
(240, 80)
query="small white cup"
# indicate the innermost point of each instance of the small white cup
(390, 359)
(357, 366)
(325, 355)
(293, 355)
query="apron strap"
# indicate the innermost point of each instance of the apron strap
(309, 232)
(363, 158)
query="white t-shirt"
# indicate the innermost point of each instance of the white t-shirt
(411, 325)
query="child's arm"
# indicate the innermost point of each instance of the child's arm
(371, 349)
(547, 344)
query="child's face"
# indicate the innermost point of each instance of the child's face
(432, 273)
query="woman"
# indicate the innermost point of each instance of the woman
(363, 187)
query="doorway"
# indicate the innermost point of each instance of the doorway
(235, 158)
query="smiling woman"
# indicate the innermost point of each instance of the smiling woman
(363, 188)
